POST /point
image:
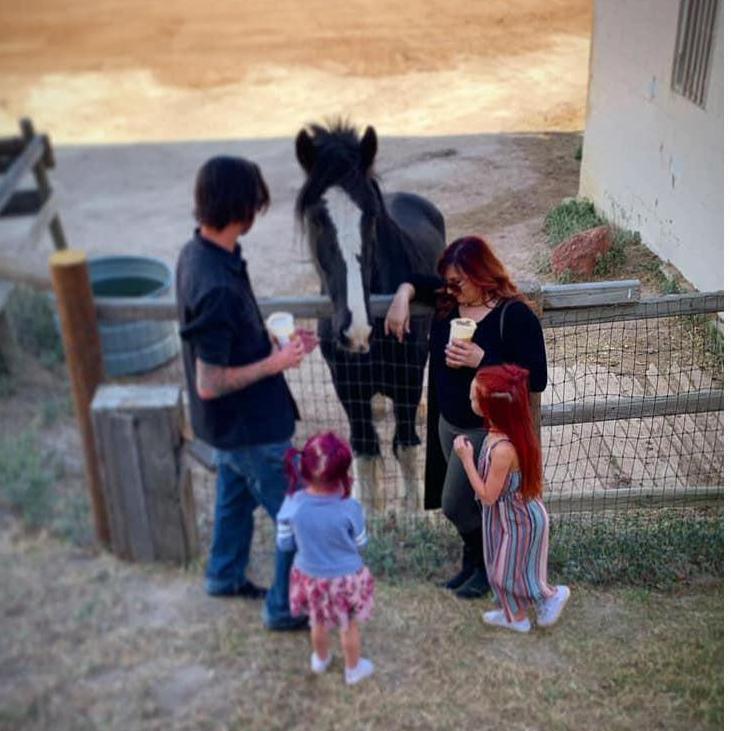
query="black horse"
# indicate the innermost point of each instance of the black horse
(364, 242)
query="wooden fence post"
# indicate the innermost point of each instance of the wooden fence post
(44, 187)
(148, 490)
(80, 334)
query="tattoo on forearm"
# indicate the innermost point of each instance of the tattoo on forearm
(212, 379)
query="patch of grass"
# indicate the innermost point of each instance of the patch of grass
(567, 277)
(28, 486)
(415, 548)
(670, 286)
(136, 639)
(665, 284)
(570, 217)
(31, 318)
(611, 263)
(55, 408)
(25, 479)
(706, 335)
(658, 551)
(542, 263)
(7, 385)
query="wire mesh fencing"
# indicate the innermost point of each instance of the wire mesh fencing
(631, 418)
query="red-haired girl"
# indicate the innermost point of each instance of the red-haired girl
(329, 581)
(508, 482)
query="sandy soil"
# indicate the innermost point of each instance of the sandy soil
(114, 71)
(438, 79)
(91, 643)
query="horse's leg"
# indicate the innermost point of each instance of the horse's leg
(406, 375)
(406, 449)
(353, 383)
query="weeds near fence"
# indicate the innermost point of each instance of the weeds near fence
(654, 550)
(32, 322)
(657, 551)
(29, 480)
(26, 479)
(578, 214)
(569, 218)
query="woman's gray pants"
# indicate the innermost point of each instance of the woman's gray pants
(458, 497)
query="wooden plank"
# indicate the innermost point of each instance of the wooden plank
(42, 222)
(188, 514)
(23, 203)
(22, 165)
(11, 146)
(141, 438)
(203, 454)
(692, 402)
(128, 458)
(590, 294)
(630, 497)
(112, 474)
(315, 306)
(693, 303)
(159, 464)
(44, 185)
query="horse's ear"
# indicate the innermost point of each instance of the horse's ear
(368, 147)
(305, 150)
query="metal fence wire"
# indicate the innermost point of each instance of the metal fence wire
(632, 415)
(632, 418)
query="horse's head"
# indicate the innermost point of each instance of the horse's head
(338, 205)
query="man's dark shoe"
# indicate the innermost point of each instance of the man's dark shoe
(247, 590)
(476, 587)
(291, 624)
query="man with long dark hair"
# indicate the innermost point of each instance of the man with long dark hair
(239, 400)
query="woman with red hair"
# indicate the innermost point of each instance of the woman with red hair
(507, 481)
(472, 283)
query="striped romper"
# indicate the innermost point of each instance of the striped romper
(515, 541)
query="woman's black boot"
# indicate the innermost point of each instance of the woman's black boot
(468, 568)
(476, 585)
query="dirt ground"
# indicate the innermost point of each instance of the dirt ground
(93, 643)
(479, 106)
(135, 71)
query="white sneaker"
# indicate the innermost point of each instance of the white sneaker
(362, 670)
(497, 618)
(550, 610)
(319, 666)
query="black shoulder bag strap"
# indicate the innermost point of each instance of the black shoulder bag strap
(502, 318)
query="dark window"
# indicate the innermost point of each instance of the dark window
(691, 65)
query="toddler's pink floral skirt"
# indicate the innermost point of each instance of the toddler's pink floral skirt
(332, 602)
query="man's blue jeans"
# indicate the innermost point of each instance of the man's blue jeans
(248, 477)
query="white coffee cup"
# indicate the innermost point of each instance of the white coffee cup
(281, 326)
(462, 328)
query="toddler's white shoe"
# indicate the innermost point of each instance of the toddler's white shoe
(550, 610)
(319, 666)
(497, 618)
(362, 670)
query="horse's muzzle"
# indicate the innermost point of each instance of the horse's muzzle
(356, 340)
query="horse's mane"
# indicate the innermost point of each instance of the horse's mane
(338, 162)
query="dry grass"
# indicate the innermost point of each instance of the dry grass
(88, 642)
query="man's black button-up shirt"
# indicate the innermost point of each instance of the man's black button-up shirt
(220, 323)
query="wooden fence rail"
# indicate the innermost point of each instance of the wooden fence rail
(30, 153)
(563, 297)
